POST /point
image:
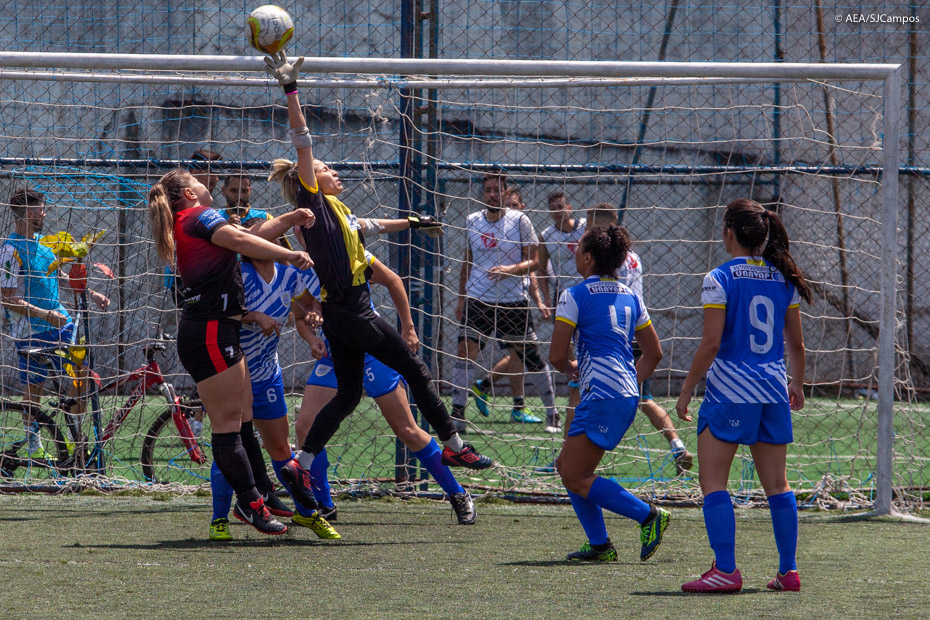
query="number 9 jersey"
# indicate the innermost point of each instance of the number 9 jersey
(750, 365)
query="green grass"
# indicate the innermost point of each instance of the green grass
(133, 557)
(834, 438)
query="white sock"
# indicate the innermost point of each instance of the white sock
(542, 381)
(454, 443)
(461, 379)
(678, 446)
(305, 459)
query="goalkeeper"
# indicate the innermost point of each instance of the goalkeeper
(336, 244)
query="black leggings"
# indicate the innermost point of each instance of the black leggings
(353, 329)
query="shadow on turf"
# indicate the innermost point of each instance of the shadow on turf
(677, 593)
(203, 543)
(550, 563)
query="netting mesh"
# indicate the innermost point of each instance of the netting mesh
(669, 155)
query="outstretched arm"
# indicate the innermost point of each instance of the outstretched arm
(276, 227)
(427, 223)
(247, 244)
(286, 74)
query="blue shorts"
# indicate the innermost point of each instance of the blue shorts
(268, 399)
(604, 421)
(32, 372)
(747, 423)
(379, 379)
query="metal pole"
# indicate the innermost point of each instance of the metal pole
(776, 110)
(886, 335)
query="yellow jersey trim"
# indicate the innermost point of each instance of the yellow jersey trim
(313, 189)
(644, 325)
(794, 306)
(721, 306)
(564, 320)
(354, 248)
(760, 262)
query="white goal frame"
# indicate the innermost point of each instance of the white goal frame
(404, 72)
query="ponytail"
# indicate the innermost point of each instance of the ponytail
(164, 201)
(776, 252)
(756, 227)
(284, 171)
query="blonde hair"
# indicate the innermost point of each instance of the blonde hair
(164, 199)
(284, 171)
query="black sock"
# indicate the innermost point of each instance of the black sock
(518, 403)
(256, 459)
(230, 457)
(652, 514)
(484, 384)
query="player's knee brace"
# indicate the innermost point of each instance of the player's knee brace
(531, 359)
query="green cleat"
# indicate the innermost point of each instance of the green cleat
(219, 530)
(481, 399)
(651, 532)
(318, 524)
(587, 553)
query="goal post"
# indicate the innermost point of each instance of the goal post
(566, 125)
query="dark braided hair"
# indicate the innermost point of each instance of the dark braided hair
(608, 245)
(754, 227)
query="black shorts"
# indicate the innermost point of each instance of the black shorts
(207, 348)
(510, 323)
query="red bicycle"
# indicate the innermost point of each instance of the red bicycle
(33, 446)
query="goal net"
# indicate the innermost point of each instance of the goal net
(667, 150)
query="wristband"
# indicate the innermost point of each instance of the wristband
(290, 88)
(423, 221)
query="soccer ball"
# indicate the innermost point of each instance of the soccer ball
(270, 28)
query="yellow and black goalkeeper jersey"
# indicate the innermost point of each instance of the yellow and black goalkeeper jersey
(334, 243)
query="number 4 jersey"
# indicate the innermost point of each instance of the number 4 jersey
(750, 365)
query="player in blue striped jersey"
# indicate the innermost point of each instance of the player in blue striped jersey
(389, 391)
(272, 292)
(604, 316)
(751, 309)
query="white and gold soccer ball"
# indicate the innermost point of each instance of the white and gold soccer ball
(270, 28)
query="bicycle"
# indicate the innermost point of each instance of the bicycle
(74, 452)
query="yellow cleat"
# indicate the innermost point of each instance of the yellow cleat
(318, 524)
(219, 530)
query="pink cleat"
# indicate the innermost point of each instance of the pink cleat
(715, 581)
(789, 582)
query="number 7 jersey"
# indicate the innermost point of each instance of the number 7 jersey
(750, 365)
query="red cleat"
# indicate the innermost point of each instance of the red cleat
(789, 582)
(714, 581)
(466, 457)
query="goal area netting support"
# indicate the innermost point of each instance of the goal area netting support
(667, 144)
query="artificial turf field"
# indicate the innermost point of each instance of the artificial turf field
(148, 556)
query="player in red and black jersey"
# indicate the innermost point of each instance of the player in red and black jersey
(336, 244)
(206, 246)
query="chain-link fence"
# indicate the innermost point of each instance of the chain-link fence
(666, 155)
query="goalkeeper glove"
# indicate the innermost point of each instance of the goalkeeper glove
(423, 221)
(286, 73)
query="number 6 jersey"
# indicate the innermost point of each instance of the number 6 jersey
(750, 365)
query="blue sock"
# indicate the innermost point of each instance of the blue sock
(277, 466)
(591, 517)
(720, 522)
(431, 457)
(222, 493)
(610, 495)
(319, 475)
(784, 509)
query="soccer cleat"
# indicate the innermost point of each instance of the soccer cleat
(330, 513)
(275, 506)
(714, 581)
(520, 416)
(651, 532)
(256, 515)
(298, 479)
(219, 530)
(318, 524)
(789, 582)
(467, 457)
(684, 461)
(587, 553)
(464, 508)
(553, 423)
(481, 399)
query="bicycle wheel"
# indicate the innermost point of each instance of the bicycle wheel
(167, 458)
(32, 449)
